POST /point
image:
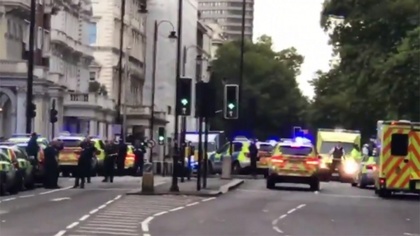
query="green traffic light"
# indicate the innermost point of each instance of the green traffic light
(161, 138)
(231, 106)
(184, 102)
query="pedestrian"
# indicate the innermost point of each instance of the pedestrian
(253, 152)
(122, 152)
(32, 149)
(84, 164)
(139, 151)
(51, 166)
(109, 162)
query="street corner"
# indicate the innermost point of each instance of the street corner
(232, 185)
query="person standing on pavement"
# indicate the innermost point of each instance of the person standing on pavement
(84, 164)
(51, 166)
(33, 148)
(109, 162)
(139, 151)
(122, 152)
(253, 152)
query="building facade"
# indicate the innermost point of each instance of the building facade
(104, 37)
(228, 14)
(61, 74)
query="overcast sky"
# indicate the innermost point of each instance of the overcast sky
(295, 23)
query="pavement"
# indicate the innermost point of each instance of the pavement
(215, 186)
(337, 209)
(42, 212)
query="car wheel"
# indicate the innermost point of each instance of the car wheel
(270, 184)
(315, 185)
(362, 182)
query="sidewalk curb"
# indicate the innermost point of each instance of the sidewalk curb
(235, 183)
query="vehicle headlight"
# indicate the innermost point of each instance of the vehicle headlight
(350, 167)
(323, 165)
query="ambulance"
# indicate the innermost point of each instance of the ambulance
(398, 167)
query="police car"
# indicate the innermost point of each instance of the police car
(294, 161)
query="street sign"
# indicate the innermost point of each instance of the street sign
(151, 143)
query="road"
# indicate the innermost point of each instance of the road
(337, 209)
(42, 212)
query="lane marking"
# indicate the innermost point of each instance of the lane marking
(300, 206)
(93, 211)
(109, 202)
(347, 196)
(146, 234)
(60, 233)
(9, 199)
(275, 221)
(101, 206)
(60, 199)
(176, 209)
(208, 199)
(72, 225)
(291, 211)
(84, 217)
(55, 190)
(277, 229)
(408, 234)
(282, 216)
(117, 197)
(145, 224)
(26, 196)
(160, 213)
(192, 204)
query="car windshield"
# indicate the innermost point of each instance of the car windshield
(326, 147)
(71, 143)
(295, 151)
(265, 147)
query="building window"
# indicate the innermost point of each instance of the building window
(92, 76)
(92, 33)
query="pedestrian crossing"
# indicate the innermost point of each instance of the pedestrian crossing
(124, 216)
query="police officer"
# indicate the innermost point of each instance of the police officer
(253, 152)
(109, 162)
(84, 164)
(51, 166)
(122, 152)
(33, 148)
(139, 151)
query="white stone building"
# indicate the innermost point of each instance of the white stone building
(105, 39)
(62, 57)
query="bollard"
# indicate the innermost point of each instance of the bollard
(147, 184)
(226, 167)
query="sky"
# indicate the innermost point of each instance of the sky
(295, 23)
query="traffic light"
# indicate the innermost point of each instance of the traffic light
(231, 102)
(32, 110)
(53, 116)
(161, 135)
(184, 96)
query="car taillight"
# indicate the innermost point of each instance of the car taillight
(371, 167)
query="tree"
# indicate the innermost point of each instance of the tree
(270, 78)
(377, 77)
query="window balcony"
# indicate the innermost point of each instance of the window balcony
(20, 5)
(19, 69)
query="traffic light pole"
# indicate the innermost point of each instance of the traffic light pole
(152, 103)
(30, 81)
(175, 154)
(206, 140)
(120, 72)
(183, 143)
(241, 67)
(200, 152)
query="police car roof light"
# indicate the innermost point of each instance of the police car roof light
(302, 140)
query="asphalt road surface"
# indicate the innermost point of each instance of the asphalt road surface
(337, 209)
(42, 212)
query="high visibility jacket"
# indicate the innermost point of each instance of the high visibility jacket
(356, 155)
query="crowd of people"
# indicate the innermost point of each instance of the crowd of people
(115, 154)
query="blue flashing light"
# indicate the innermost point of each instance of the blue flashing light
(302, 140)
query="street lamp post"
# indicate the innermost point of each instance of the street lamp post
(30, 81)
(241, 66)
(172, 35)
(176, 153)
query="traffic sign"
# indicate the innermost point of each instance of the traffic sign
(151, 143)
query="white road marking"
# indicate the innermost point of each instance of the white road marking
(101, 222)
(282, 216)
(93, 211)
(208, 199)
(60, 233)
(192, 204)
(160, 213)
(72, 225)
(176, 209)
(277, 229)
(9, 199)
(26, 196)
(60, 199)
(117, 197)
(145, 224)
(109, 202)
(291, 211)
(109, 229)
(102, 206)
(300, 206)
(275, 221)
(408, 234)
(84, 217)
(104, 232)
(146, 234)
(55, 190)
(348, 196)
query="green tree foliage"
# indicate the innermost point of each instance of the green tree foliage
(378, 76)
(270, 77)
